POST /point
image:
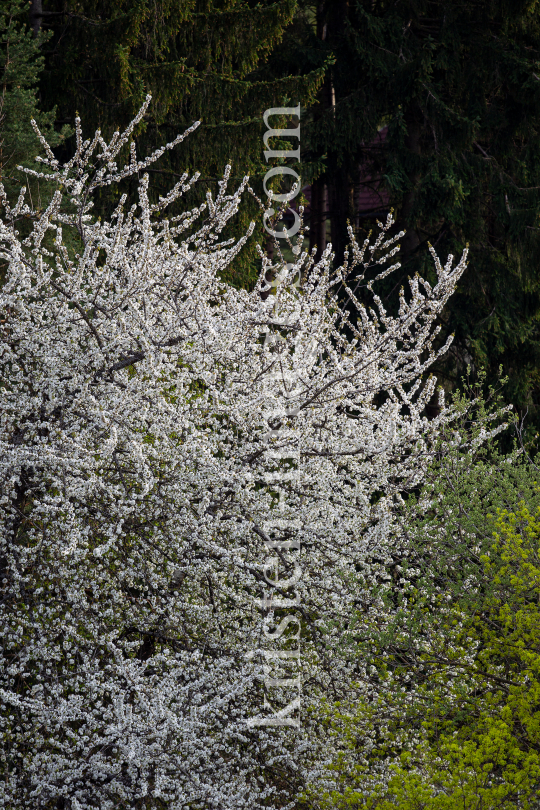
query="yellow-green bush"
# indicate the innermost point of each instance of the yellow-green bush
(462, 729)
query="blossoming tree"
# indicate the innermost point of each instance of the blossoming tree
(185, 466)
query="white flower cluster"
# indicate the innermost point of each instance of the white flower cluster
(146, 409)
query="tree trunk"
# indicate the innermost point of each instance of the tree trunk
(339, 187)
(36, 15)
(411, 240)
(319, 213)
(339, 211)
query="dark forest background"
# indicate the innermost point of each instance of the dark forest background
(429, 107)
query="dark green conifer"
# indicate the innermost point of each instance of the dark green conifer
(21, 63)
(458, 86)
(200, 60)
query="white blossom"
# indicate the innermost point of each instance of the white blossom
(159, 428)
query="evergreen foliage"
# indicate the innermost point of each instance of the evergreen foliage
(200, 60)
(458, 86)
(21, 63)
